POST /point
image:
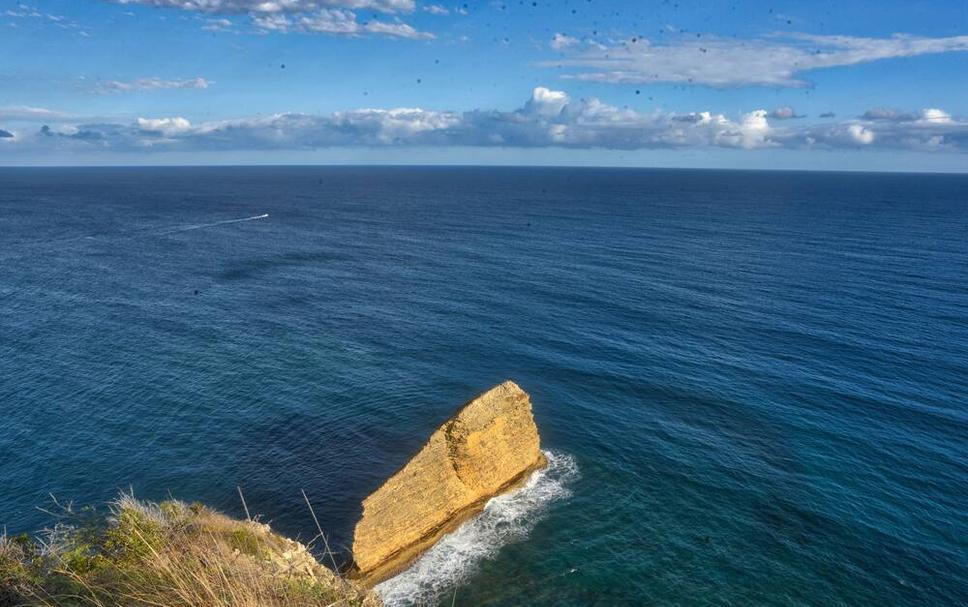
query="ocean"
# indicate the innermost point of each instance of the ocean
(753, 386)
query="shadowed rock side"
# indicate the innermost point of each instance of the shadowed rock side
(489, 446)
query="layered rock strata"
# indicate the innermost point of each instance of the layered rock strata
(490, 445)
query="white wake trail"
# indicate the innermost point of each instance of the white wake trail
(217, 223)
(505, 519)
(30, 247)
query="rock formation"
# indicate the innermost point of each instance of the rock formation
(172, 553)
(489, 446)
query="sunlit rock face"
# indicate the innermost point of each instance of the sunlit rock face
(489, 446)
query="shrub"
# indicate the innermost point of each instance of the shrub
(172, 554)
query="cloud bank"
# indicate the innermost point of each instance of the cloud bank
(547, 119)
(777, 60)
(332, 17)
(28, 113)
(336, 22)
(150, 84)
(240, 7)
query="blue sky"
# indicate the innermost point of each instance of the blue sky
(845, 85)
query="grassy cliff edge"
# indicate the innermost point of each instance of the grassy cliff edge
(171, 554)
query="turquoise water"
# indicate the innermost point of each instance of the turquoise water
(753, 384)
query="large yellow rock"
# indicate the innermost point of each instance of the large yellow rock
(489, 446)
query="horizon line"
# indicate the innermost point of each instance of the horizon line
(479, 166)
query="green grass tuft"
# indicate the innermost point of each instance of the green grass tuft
(170, 554)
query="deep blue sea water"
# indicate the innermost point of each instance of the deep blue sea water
(755, 384)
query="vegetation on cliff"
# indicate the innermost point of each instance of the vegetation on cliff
(170, 554)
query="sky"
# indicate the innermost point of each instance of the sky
(766, 85)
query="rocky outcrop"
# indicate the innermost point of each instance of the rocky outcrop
(168, 554)
(489, 446)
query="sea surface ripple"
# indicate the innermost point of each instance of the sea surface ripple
(760, 378)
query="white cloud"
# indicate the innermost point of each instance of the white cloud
(436, 9)
(272, 23)
(927, 115)
(337, 22)
(784, 112)
(241, 7)
(217, 25)
(861, 134)
(549, 118)
(332, 17)
(935, 116)
(545, 102)
(28, 113)
(777, 60)
(23, 11)
(164, 126)
(753, 131)
(150, 84)
(331, 22)
(395, 29)
(561, 41)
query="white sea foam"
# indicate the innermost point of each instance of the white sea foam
(505, 519)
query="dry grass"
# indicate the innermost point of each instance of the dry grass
(167, 555)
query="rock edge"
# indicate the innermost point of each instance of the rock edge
(488, 447)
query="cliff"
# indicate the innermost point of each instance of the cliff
(170, 554)
(487, 447)
(180, 555)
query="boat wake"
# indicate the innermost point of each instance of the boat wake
(506, 519)
(28, 246)
(212, 225)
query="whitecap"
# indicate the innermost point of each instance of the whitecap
(506, 519)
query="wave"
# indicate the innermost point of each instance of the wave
(506, 519)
